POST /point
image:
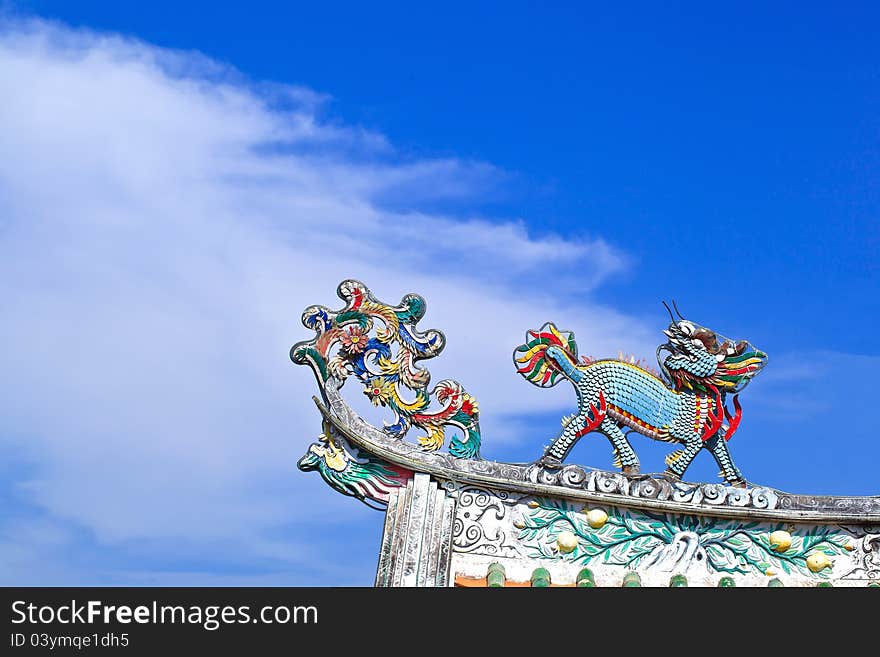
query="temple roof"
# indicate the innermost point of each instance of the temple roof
(456, 519)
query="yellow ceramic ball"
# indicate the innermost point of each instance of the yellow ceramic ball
(596, 518)
(566, 541)
(780, 540)
(818, 561)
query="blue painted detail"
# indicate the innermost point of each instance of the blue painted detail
(374, 350)
(419, 346)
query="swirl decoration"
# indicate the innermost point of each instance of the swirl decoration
(479, 521)
(629, 538)
(381, 347)
(868, 556)
(871, 559)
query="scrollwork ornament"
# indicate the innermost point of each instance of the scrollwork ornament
(868, 554)
(380, 346)
(479, 524)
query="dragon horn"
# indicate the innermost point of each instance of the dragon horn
(669, 310)
(676, 309)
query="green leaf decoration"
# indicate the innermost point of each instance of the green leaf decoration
(628, 537)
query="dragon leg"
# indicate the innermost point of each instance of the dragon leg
(590, 419)
(678, 462)
(718, 446)
(562, 445)
(625, 455)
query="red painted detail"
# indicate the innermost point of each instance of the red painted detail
(447, 411)
(400, 477)
(598, 416)
(632, 418)
(445, 392)
(733, 422)
(546, 376)
(402, 473)
(358, 299)
(679, 378)
(530, 364)
(550, 337)
(433, 418)
(741, 370)
(715, 418)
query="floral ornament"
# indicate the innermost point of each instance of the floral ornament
(354, 340)
(379, 391)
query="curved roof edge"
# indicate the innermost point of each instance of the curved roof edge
(647, 492)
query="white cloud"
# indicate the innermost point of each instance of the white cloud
(163, 222)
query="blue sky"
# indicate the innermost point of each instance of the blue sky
(179, 182)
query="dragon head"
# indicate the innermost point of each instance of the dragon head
(325, 455)
(700, 358)
(349, 470)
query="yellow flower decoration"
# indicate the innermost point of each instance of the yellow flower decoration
(379, 391)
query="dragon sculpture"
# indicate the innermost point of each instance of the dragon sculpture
(685, 404)
(352, 471)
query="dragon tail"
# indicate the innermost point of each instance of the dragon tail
(540, 368)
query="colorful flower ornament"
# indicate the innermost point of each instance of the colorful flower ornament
(353, 340)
